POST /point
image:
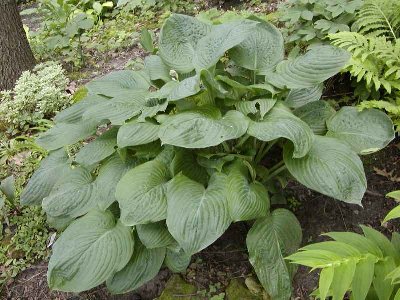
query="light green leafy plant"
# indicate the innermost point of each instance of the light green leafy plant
(177, 151)
(23, 230)
(37, 94)
(367, 266)
(310, 21)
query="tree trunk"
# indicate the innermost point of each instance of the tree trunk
(15, 53)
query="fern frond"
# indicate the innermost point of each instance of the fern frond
(352, 262)
(374, 59)
(379, 18)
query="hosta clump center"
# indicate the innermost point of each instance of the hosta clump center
(179, 158)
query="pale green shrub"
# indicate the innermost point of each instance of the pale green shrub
(37, 94)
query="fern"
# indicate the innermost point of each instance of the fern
(362, 264)
(374, 59)
(379, 18)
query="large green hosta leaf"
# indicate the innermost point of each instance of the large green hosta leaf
(141, 193)
(88, 252)
(178, 40)
(99, 149)
(110, 173)
(222, 37)
(74, 113)
(185, 88)
(331, 168)
(70, 126)
(156, 68)
(137, 133)
(299, 97)
(194, 210)
(268, 241)
(72, 197)
(177, 261)
(261, 50)
(365, 132)
(280, 122)
(202, 128)
(315, 114)
(51, 169)
(310, 69)
(77, 192)
(155, 235)
(246, 200)
(63, 134)
(123, 107)
(119, 83)
(143, 266)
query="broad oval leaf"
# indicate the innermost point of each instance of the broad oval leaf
(88, 252)
(315, 114)
(119, 83)
(178, 40)
(142, 267)
(261, 50)
(202, 128)
(51, 169)
(185, 88)
(299, 97)
(268, 241)
(74, 113)
(141, 193)
(137, 133)
(62, 134)
(222, 37)
(72, 197)
(102, 147)
(154, 235)
(123, 107)
(331, 168)
(177, 261)
(156, 68)
(110, 173)
(246, 200)
(365, 132)
(77, 192)
(280, 122)
(310, 69)
(193, 210)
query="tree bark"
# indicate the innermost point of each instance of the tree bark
(15, 53)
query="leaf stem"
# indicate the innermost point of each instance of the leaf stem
(262, 152)
(275, 167)
(226, 147)
(242, 140)
(274, 173)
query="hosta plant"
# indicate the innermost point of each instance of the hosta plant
(178, 151)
